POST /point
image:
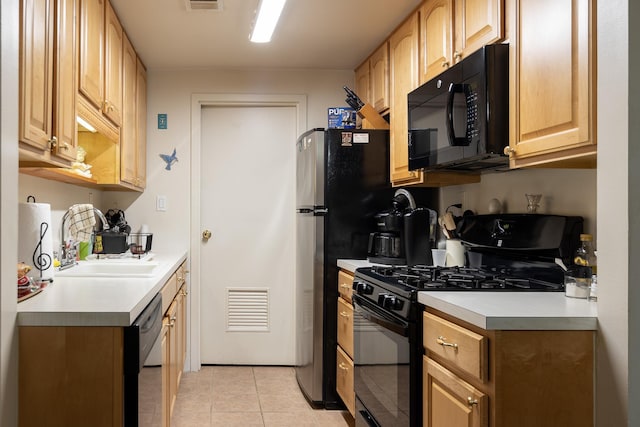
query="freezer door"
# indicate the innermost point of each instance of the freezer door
(310, 161)
(309, 297)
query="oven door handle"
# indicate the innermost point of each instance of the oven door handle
(377, 316)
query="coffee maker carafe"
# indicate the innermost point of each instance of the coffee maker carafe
(405, 233)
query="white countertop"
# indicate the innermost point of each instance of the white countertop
(82, 301)
(507, 310)
(516, 310)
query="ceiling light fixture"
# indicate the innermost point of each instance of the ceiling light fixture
(268, 14)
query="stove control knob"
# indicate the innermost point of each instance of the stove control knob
(362, 288)
(390, 302)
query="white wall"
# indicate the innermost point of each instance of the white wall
(170, 93)
(619, 231)
(564, 192)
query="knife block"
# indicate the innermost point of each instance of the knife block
(371, 118)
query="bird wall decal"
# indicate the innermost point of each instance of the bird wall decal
(170, 159)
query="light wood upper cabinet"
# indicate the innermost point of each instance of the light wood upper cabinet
(91, 79)
(552, 108)
(112, 105)
(101, 58)
(436, 38)
(451, 30)
(47, 119)
(403, 65)
(141, 124)
(133, 134)
(379, 71)
(477, 23)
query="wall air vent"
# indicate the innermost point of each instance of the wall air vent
(193, 5)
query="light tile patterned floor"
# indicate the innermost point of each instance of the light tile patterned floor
(248, 396)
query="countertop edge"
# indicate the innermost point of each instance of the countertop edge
(585, 318)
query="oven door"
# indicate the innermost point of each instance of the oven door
(382, 366)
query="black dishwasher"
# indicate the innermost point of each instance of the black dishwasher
(143, 384)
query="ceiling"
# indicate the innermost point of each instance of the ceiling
(329, 34)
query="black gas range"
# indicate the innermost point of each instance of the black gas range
(504, 253)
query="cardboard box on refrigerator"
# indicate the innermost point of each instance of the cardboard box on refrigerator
(341, 118)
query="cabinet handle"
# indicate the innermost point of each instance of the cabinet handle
(53, 142)
(344, 314)
(345, 286)
(172, 321)
(508, 151)
(184, 293)
(344, 367)
(443, 342)
(65, 146)
(471, 401)
(445, 64)
(457, 55)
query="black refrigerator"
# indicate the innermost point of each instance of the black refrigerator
(342, 182)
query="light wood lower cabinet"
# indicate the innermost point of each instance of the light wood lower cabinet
(74, 375)
(175, 344)
(344, 362)
(449, 401)
(499, 378)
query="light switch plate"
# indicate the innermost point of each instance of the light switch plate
(161, 203)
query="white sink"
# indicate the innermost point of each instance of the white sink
(110, 268)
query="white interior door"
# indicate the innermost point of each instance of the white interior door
(247, 202)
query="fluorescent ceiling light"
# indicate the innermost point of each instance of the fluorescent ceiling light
(82, 122)
(268, 14)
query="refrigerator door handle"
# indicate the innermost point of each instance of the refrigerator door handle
(320, 211)
(305, 210)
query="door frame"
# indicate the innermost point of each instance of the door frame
(198, 101)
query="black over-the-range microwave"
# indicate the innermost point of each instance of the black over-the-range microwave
(460, 119)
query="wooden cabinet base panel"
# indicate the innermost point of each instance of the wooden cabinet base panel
(70, 376)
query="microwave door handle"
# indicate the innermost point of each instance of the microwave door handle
(453, 139)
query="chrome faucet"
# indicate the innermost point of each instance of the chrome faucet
(68, 255)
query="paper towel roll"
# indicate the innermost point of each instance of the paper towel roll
(455, 253)
(35, 238)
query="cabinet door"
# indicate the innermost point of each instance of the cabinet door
(112, 105)
(436, 38)
(65, 81)
(91, 79)
(552, 92)
(181, 327)
(477, 23)
(345, 326)
(128, 143)
(173, 355)
(166, 358)
(36, 72)
(141, 124)
(379, 68)
(449, 401)
(403, 61)
(362, 77)
(344, 380)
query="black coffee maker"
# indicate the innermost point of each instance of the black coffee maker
(405, 233)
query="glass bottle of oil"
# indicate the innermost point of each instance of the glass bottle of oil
(586, 257)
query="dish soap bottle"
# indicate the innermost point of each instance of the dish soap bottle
(586, 256)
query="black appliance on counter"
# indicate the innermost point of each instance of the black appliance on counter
(459, 119)
(505, 253)
(405, 233)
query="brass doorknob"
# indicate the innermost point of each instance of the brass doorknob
(206, 235)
